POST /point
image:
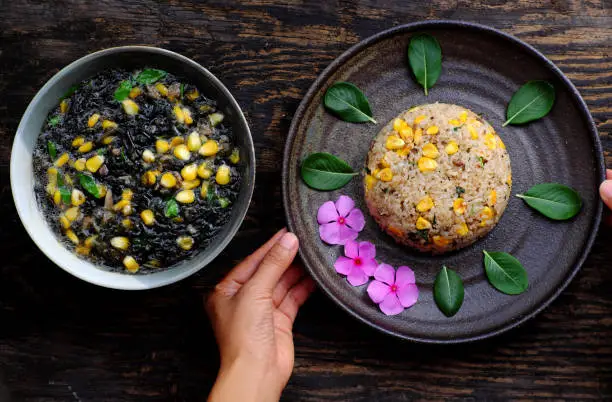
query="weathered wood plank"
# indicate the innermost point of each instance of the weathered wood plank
(62, 339)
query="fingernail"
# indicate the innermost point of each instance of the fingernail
(605, 190)
(288, 241)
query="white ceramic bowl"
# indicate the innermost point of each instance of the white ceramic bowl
(22, 179)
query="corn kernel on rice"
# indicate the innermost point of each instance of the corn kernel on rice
(472, 173)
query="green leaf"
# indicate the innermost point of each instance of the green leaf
(123, 91)
(52, 148)
(425, 58)
(424, 234)
(347, 102)
(65, 193)
(448, 291)
(182, 88)
(531, 102)
(89, 184)
(505, 273)
(210, 195)
(54, 121)
(223, 202)
(460, 191)
(323, 171)
(150, 75)
(69, 92)
(172, 208)
(553, 200)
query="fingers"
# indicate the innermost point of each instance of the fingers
(243, 271)
(296, 297)
(289, 278)
(605, 191)
(275, 263)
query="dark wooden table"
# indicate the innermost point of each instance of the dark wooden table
(62, 339)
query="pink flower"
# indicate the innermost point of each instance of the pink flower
(359, 263)
(393, 291)
(339, 221)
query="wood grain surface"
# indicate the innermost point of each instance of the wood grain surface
(64, 340)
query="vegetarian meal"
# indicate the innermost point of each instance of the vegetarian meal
(438, 178)
(135, 170)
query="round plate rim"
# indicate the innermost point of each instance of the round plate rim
(411, 27)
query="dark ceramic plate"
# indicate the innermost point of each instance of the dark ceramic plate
(482, 68)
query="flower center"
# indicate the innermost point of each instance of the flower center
(357, 261)
(341, 220)
(393, 288)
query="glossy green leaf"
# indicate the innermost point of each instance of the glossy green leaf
(211, 193)
(425, 59)
(448, 291)
(65, 194)
(182, 90)
(125, 159)
(54, 121)
(553, 200)
(123, 91)
(223, 202)
(323, 171)
(89, 184)
(172, 208)
(347, 102)
(150, 75)
(60, 179)
(505, 273)
(531, 102)
(52, 148)
(69, 92)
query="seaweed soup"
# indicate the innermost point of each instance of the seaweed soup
(135, 170)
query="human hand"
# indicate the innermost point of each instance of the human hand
(252, 311)
(605, 189)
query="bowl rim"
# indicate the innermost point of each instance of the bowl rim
(413, 27)
(115, 280)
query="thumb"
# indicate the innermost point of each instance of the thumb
(605, 191)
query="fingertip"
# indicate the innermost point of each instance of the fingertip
(605, 191)
(277, 236)
(289, 241)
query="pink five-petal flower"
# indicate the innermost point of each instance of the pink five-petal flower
(392, 290)
(339, 221)
(359, 263)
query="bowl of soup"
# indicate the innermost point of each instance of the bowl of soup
(132, 168)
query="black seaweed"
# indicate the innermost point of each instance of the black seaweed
(202, 220)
